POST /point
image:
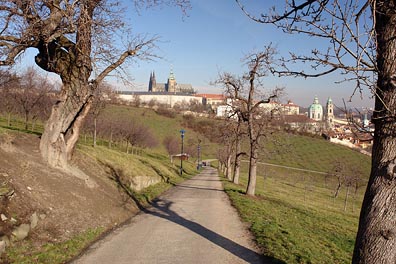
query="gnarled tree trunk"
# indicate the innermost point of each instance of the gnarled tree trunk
(62, 129)
(376, 238)
(72, 62)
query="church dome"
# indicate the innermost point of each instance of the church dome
(316, 110)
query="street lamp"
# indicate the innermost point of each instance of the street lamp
(182, 131)
(199, 154)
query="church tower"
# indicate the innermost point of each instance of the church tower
(171, 82)
(150, 86)
(152, 83)
(330, 112)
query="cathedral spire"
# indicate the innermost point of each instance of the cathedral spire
(150, 86)
(171, 74)
(152, 82)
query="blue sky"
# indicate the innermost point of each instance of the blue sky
(214, 37)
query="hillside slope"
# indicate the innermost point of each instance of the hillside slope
(55, 206)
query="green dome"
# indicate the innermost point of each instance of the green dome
(316, 110)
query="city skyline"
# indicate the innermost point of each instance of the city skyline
(212, 38)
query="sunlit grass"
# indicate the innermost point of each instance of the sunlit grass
(294, 216)
(24, 252)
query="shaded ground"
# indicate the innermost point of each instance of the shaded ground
(64, 203)
(192, 223)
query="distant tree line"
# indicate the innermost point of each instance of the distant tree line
(27, 95)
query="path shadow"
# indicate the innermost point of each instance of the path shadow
(203, 180)
(198, 188)
(161, 208)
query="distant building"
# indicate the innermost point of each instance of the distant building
(329, 113)
(290, 108)
(214, 100)
(158, 98)
(274, 108)
(171, 86)
(315, 110)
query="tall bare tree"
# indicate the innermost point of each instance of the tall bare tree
(239, 132)
(31, 94)
(362, 45)
(102, 95)
(171, 144)
(8, 82)
(245, 91)
(72, 38)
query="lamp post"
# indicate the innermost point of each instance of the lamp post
(199, 154)
(182, 131)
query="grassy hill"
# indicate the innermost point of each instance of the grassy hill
(294, 216)
(71, 214)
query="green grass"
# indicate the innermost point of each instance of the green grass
(150, 163)
(310, 153)
(24, 252)
(18, 124)
(161, 126)
(294, 216)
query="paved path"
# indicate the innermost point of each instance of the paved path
(192, 223)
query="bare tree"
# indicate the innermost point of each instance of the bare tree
(338, 171)
(73, 38)
(227, 140)
(245, 91)
(347, 177)
(31, 94)
(101, 97)
(8, 82)
(171, 144)
(239, 133)
(362, 41)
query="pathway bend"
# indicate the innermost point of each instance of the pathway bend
(192, 223)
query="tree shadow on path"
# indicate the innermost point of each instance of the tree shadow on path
(161, 208)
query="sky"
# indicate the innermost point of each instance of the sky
(212, 38)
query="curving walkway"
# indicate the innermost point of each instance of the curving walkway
(194, 222)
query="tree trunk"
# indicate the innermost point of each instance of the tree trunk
(237, 169)
(34, 120)
(62, 129)
(74, 66)
(94, 135)
(376, 237)
(26, 120)
(228, 163)
(111, 138)
(346, 198)
(251, 188)
(254, 144)
(9, 119)
(237, 166)
(337, 189)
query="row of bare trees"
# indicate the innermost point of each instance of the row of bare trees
(248, 118)
(348, 177)
(121, 131)
(27, 95)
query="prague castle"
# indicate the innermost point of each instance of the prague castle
(170, 87)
